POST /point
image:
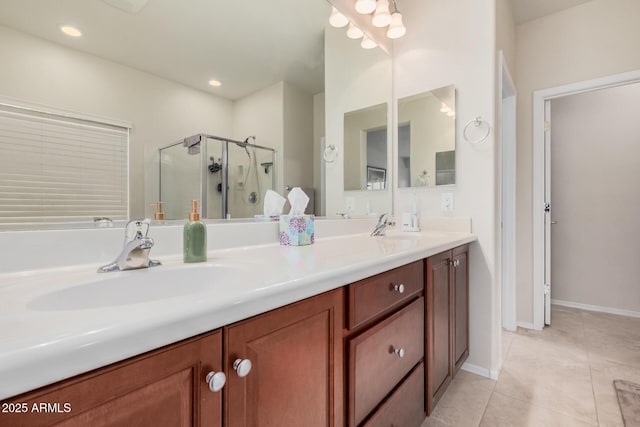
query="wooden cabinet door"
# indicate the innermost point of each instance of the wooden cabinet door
(165, 387)
(296, 374)
(460, 297)
(438, 327)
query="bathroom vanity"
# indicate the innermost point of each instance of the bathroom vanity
(354, 340)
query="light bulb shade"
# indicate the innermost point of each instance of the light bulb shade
(367, 43)
(381, 17)
(337, 19)
(396, 28)
(365, 7)
(354, 32)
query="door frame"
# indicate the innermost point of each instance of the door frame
(507, 181)
(538, 217)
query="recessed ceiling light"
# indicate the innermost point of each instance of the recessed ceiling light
(215, 83)
(70, 30)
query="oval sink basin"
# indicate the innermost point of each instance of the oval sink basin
(138, 286)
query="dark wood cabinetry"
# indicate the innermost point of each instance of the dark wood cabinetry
(438, 327)
(385, 346)
(447, 324)
(296, 374)
(162, 387)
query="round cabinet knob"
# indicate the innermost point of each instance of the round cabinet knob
(399, 288)
(399, 352)
(242, 367)
(216, 380)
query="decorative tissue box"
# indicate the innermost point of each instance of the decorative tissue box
(297, 230)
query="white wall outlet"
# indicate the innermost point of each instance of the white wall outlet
(349, 204)
(447, 202)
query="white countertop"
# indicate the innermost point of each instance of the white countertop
(40, 345)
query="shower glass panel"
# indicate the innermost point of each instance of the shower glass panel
(246, 170)
(179, 180)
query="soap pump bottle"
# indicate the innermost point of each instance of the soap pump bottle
(195, 237)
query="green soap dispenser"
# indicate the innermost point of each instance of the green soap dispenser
(195, 237)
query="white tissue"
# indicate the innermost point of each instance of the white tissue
(298, 200)
(273, 203)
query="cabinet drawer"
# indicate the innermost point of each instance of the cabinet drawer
(405, 407)
(375, 362)
(374, 295)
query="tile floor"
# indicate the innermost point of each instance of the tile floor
(559, 377)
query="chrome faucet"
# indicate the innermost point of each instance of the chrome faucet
(382, 225)
(135, 252)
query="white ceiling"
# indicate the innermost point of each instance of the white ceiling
(246, 44)
(528, 10)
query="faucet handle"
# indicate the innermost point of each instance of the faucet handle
(136, 229)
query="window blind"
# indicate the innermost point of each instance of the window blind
(59, 169)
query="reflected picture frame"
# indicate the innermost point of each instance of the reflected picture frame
(376, 178)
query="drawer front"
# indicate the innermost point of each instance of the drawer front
(375, 362)
(405, 407)
(375, 295)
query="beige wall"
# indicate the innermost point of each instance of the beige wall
(595, 198)
(595, 39)
(298, 137)
(453, 42)
(506, 32)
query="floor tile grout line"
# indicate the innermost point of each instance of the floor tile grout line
(486, 406)
(593, 390)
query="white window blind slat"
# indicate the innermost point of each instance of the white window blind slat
(56, 169)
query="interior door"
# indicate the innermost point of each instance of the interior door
(547, 213)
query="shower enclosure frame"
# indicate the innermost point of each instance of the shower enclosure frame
(224, 171)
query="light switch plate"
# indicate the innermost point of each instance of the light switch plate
(447, 202)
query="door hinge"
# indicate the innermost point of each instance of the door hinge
(547, 126)
(547, 289)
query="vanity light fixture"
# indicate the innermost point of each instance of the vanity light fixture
(337, 19)
(70, 30)
(382, 16)
(215, 83)
(365, 7)
(367, 43)
(354, 32)
(396, 27)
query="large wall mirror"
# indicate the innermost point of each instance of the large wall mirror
(426, 138)
(152, 67)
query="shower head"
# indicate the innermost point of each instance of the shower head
(246, 145)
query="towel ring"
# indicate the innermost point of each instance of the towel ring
(330, 153)
(477, 122)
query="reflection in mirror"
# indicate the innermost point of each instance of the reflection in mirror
(153, 73)
(365, 148)
(230, 177)
(426, 138)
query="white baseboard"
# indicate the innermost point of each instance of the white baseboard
(526, 325)
(601, 309)
(483, 372)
